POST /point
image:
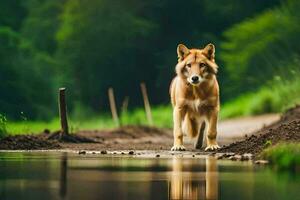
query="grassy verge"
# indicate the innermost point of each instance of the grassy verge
(25, 127)
(276, 97)
(285, 156)
(162, 116)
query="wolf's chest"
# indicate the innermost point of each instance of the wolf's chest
(195, 104)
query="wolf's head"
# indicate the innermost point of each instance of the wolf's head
(196, 65)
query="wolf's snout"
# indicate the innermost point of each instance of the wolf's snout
(195, 79)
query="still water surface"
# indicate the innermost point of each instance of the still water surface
(49, 175)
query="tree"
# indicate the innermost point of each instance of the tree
(262, 47)
(24, 86)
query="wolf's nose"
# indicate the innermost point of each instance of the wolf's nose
(195, 78)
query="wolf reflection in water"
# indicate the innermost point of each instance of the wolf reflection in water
(182, 182)
(183, 186)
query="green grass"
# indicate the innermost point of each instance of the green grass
(25, 127)
(284, 156)
(162, 117)
(273, 98)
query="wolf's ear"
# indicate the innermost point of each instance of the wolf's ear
(209, 51)
(182, 52)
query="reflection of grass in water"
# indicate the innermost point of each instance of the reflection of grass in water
(285, 156)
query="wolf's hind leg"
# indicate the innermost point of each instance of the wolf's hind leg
(190, 126)
(199, 141)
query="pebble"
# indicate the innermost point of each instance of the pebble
(103, 152)
(193, 155)
(227, 155)
(235, 157)
(261, 162)
(131, 152)
(93, 152)
(212, 154)
(82, 152)
(247, 156)
(157, 156)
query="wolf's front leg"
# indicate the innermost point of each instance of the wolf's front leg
(178, 114)
(212, 131)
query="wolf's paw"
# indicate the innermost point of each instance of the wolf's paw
(178, 148)
(212, 147)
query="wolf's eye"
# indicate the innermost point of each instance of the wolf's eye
(189, 65)
(202, 65)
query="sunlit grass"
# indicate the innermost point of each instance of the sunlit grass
(162, 117)
(285, 156)
(274, 98)
(32, 127)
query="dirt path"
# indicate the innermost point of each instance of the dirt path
(236, 129)
(137, 137)
(144, 138)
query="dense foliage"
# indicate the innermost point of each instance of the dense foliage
(262, 48)
(89, 46)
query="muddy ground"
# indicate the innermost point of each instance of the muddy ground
(124, 138)
(286, 129)
(239, 135)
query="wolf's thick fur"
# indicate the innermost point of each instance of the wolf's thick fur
(195, 95)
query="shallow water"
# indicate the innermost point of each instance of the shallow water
(50, 175)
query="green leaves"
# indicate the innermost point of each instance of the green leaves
(259, 48)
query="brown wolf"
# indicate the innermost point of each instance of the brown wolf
(195, 96)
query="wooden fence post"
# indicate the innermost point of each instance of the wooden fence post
(147, 104)
(63, 112)
(113, 108)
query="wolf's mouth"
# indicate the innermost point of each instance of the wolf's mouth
(195, 82)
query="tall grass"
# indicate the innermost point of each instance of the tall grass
(284, 156)
(277, 96)
(3, 128)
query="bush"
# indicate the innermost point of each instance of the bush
(284, 156)
(261, 48)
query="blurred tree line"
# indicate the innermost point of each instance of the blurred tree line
(90, 45)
